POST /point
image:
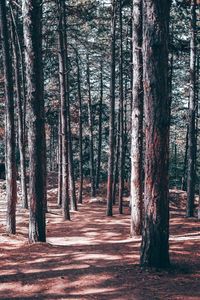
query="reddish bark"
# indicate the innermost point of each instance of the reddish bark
(155, 247)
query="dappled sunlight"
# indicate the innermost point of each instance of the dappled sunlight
(182, 238)
(93, 255)
(75, 240)
(92, 290)
(20, 288)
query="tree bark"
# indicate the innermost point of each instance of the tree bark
(183, 183)
(155, 246)
(10, 130)
(112, 114)
(90, 123)
(121, 111)
(59, 159)
(137, 123)
(192, 109)
(32, 15)
(72, 188)
(100, 126)
(80, 132)
(21, 61)
(20, 112)
(116, 160)
(198, 211)
(62, 79)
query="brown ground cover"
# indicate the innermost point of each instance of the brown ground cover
(93, 257)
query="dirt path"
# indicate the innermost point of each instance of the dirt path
(93, 256)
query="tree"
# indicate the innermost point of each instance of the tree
(116, 160)
(100, 126)
(192, 113)
(21, 127)
(80, 131)
(112, 115)
(63, 100)
(137, 123)
(32, 25)
(183, 183)
(10, 130)
(121, 114)
(72, 188)
(90, 123)
(59, 159)
(155, 247)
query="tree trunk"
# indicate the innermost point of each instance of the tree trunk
(59, 159)
(90, 123)
(197, 137)
(20, 113)
(10, 130)
(21, 60)
(100, 126)
(80, 132)
(62, 79)
(183, 183)
(112, 115)
(121, 111)
(198, 211)
(192, 108)
(32, 15)
(116, 161)
(50, 149)
(72, 188)
(137, 124)
(155, 246)
(175, 158)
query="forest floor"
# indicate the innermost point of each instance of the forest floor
(93, 257)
